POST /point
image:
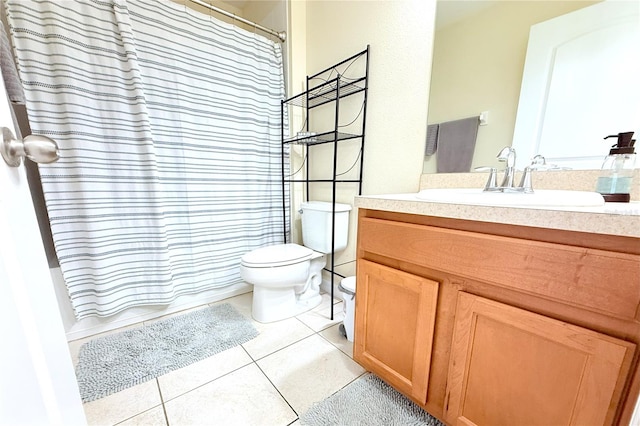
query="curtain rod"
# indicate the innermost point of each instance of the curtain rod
(282, 36)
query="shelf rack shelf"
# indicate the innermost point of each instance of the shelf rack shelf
(334, 86)
(328, 92)
(320, 138)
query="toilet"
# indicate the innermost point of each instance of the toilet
(286, 278)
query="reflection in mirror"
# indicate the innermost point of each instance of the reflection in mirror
(580, 83)
(478, 58)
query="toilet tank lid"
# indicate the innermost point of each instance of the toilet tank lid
(277, 255)
(324, 206)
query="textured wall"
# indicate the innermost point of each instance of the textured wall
(400, 35)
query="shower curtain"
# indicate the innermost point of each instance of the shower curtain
(168, 123)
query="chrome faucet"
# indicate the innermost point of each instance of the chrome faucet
(507, 155)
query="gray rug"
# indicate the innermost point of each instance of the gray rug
(112, 363)
(367, 401)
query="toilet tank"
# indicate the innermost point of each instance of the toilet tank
(316, 225)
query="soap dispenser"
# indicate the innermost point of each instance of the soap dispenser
(614, 182)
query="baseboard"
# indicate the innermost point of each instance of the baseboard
(325, 286)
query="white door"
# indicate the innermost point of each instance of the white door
(580, 83)
(37, 381)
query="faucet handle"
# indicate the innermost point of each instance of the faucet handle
(538, 161)
(492, 181)
(525, 182)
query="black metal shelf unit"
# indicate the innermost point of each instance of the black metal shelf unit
(347, 78)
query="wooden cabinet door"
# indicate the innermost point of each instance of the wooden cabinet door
(394, 322)
(513, 367)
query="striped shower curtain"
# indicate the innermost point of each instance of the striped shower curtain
(168, 122)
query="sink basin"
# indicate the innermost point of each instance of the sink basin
(540, 198)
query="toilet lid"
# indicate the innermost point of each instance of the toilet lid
(277, 255)
(349, 284)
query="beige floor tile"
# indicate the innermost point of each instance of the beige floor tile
(309, 371)
(228, 388)
(332, 334)
(276, 335)
(319, 318)
(122, 405)
(153, 417)
(243, 397)
(185, 379)
(273, 336)
(241, 302)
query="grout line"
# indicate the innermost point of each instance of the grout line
(253, 361)
(164, 408)
(335, 345)
(247, 352)
(279, 393)
(211, 381)
(283, 347)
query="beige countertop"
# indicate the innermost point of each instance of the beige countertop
(612, 219)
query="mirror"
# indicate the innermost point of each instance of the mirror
(479, 56)
(580, 83)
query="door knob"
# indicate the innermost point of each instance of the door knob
(37, 148)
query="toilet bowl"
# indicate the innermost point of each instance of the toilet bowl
(286, 278)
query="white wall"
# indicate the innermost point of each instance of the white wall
(400, 34)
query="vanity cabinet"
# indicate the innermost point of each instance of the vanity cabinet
(508, 324)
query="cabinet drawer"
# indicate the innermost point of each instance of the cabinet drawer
(599, 280)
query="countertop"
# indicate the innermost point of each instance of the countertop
(622, 219)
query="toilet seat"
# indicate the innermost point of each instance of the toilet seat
(276, 255)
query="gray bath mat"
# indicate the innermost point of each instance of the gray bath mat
(112, 363)
(367, 401)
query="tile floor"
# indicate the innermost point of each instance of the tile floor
(270, 380)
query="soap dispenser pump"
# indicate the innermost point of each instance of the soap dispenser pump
(615, 179)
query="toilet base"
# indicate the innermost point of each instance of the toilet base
(275, 304)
